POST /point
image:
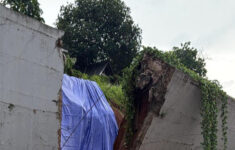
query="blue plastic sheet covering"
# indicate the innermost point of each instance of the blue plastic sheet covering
(88, 121)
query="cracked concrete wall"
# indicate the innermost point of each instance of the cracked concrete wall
(31, 71)
(178, 125)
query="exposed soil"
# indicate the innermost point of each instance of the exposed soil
(150, 89)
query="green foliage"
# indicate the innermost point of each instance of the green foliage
(99, 30)
(212, 94)
(69, 63)
(188, 56)
(209, 110)
(28, 7)
(128, 84)
(113, 92)
(223, 115)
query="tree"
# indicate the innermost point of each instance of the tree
(28, 7)
(189, 57)
(99, 30)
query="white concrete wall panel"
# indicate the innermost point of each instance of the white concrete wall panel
(179, 128)
(31, 71)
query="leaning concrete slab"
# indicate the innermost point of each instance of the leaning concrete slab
(31, 71)
(177, 127)
(167, 110)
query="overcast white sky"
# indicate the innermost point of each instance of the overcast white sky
(209, 25)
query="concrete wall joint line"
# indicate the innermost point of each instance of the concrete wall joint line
(27, 107)
(20, 58)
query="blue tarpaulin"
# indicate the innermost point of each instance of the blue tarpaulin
(88, 121)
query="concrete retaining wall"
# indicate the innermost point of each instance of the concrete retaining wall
(31, 70)
(178, 126)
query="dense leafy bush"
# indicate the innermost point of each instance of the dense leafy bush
(188, 56)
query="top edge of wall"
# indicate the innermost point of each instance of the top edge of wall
(29, 22)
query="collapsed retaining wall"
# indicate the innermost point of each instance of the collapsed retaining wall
(31, 71)
(178, 126)
(167, 110)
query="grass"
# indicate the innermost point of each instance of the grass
(113, 92)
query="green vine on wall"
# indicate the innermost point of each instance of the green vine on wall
(128, 83)
(212, 94)
(209, 111)
(223, 115)
(212, 98)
